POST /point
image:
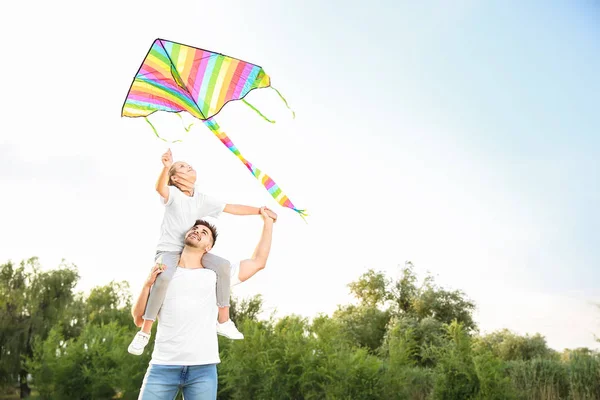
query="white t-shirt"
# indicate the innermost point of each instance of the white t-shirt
(187, 321)
(181, 211)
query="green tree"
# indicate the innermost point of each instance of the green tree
(109, 303)
(246, 309)
(95, 363)
(428, 334)
(456, 377)
(246, 364)
(402, 376)
(335, 368)
(394, 342)
(430, 300)
(371, 289)
(381, 300)
(31, 302)
(365, 325)
(494, 383)
(509, 346)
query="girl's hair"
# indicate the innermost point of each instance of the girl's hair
(171, 173)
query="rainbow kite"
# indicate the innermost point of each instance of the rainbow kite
(175, 77)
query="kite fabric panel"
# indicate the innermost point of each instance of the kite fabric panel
(174, 77)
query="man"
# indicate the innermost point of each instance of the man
(186, 349)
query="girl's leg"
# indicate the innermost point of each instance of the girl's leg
(155, 299)
(159, 290)
(222, 268)
(223, 314)
(147, 325)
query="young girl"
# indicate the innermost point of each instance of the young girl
(183, 206)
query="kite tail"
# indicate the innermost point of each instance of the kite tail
(156, 132)
(187, 129)
(265, 179)
(257, 111)
(285, 101)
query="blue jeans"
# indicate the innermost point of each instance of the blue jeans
(162, 382)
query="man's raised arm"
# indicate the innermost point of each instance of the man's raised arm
(258, 261)
(137, 311)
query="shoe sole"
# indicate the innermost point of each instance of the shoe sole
(229, 337)
(134, 352)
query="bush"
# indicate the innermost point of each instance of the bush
(95, 365)
(494, 383)
(455, 376)
(584, 375)
(540, 378)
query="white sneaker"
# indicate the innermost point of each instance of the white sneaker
(138, 343)
(229, 330)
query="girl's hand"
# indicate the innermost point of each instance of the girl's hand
(157, 269)
(167, 159)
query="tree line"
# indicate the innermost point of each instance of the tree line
(404, 338)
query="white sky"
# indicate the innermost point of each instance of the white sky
(481, 177)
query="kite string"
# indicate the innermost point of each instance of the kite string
(263, 178)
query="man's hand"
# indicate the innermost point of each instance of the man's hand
(270, 213)
(258, 260)
(182, 181)
(167, 159)
(157, 269)
(267, 214)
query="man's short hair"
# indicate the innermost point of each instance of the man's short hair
(213, 229)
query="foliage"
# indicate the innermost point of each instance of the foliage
(540, 378)
(509, 346)
(400, 339)
(455, 377)
(31, 303)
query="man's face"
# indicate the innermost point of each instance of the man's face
(199, 237)
(185, 170)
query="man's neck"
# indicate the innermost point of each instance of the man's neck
(191, 258)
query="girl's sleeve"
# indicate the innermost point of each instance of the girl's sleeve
(210, 206)
(172, 193)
